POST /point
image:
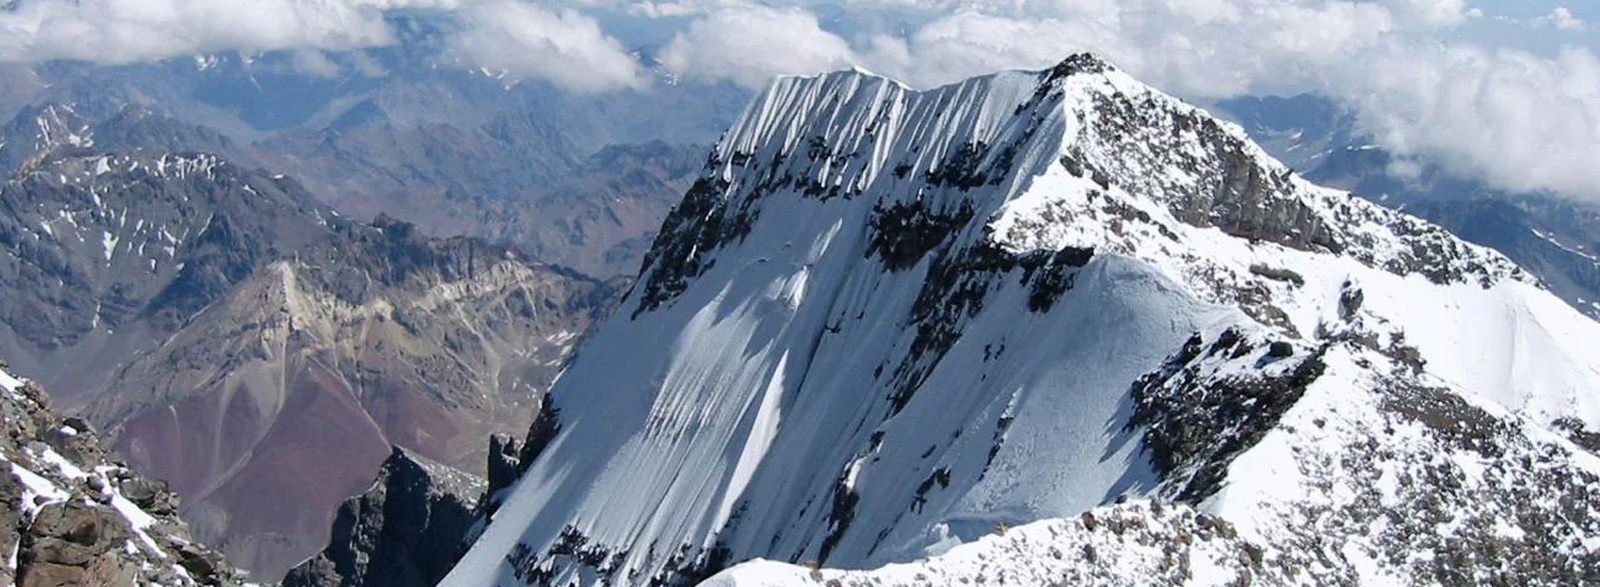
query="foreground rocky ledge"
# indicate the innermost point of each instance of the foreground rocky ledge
(74, 515)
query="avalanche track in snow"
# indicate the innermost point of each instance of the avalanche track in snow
(886, 322)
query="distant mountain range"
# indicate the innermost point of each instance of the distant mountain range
(244, 342)
(396, 131)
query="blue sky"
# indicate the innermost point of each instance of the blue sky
(1521, 32)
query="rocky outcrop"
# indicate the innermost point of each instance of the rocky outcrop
(1556, 239)
(76, 516)
(405, 531)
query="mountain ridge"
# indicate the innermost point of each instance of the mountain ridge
(884, 321)
(1553, 237)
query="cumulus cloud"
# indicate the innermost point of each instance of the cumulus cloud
(565, 47)
(1562, 19)
(126, 31)
(1520, 121)
(314, 63)
(748, 44)
(525, 40)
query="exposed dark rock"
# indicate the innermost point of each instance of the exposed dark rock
(1245, 198)
(1518, 520)
(1554, 238)
(939, 477)
(1195, 422)
(696, 227)
(150, 495)
(1078, 63)
(963, 169)
(902, 234)
(956, 288)
(71, 533)
(544, 428)
(1278, 274)
(1450, 418)
(840, 515)
(1350, 299)
(503, 462)
(11, 517)
(406, 531)
(1580, 435)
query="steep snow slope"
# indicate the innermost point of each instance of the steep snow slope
(885, 321)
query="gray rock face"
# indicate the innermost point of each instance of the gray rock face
(405, 531)
(11, 516)
(1556, 239)
(75, 516)
(504, 465)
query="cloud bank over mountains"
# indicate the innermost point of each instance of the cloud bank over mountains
(1507, 94)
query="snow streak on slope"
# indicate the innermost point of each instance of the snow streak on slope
(885, 321)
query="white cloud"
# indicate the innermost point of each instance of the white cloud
(125, 31)
(564, 47)
(1431, 12)
(1518, 120)
(677, 8)
(1561, 19)
(748, 44)
(1405, 169)
(315, 63)
(528, 41)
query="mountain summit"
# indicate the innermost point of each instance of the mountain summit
(888, 322)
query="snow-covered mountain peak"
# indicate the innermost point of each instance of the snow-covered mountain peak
(1124, 166)
(885, 320)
